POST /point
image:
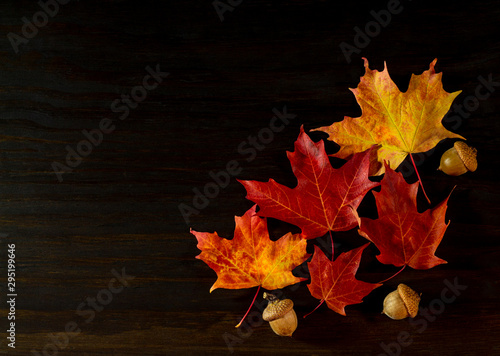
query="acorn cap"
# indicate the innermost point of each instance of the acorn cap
(467, 154)
(410, 298)
(276, 309)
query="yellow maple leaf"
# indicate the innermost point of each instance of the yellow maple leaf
(400, 123)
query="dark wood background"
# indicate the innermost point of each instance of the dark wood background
(119, 208)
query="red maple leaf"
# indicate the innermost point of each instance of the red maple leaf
(404, 236)
(325, 199)
(335, 282)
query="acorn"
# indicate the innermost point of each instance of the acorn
(280, 315)
(401, 303)
(459, 159)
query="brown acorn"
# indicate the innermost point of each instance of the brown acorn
(401, 303)
(459, 159)
(280, 315)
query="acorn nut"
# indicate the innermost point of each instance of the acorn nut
(280, 315)
(459, 159)
(401, 303)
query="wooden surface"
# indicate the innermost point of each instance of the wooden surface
(119, 208)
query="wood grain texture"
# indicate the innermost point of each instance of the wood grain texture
(119, 208)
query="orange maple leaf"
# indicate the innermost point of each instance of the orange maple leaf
(251, 259)
(401, 123)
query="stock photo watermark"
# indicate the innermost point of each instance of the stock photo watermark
(363, 36)
(249, 149)
(456, 116)
(11, 294)
(31, 27)
(86, 310)
(437, 306)
(94, 137)
(470, 103)
(222, 7)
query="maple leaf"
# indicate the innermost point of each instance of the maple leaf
(402, 123)
(335, 282)
(251, 259)
(325, 199)
(404, 236)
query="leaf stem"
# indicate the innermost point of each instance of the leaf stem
(394, 275)
(331, 240)
(322, 301)
(418, 175)
(248, 311)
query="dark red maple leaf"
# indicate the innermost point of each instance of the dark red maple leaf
(335, 282)
(404, 236)
(325, 199)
